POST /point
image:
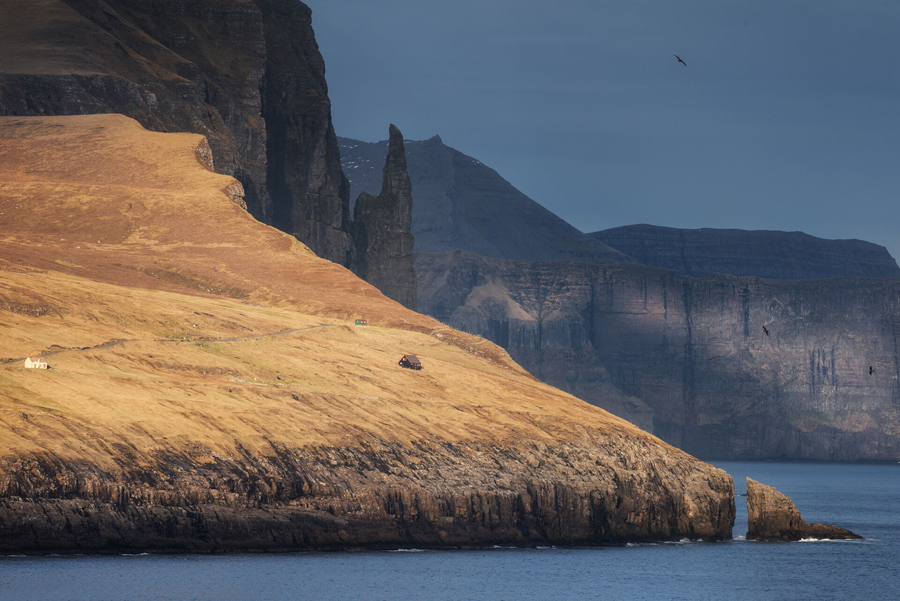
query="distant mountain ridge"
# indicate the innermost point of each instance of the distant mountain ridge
(458, 203)
(763, 253)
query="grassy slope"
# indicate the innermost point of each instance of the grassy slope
(111, 232)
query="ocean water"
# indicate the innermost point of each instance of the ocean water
(863, 498)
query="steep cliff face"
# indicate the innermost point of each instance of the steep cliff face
(379, 495)
(462, 204)
(767, 254)
(382, 223)
(197, 401)
(192, 66)
(309, 192)
(248, 75)
(696, 352)
(773, 517)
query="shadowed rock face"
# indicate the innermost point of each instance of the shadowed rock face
(247, 75)
(462, 204)
(773, 517)
(381, 496)
(767, 254)
(382, 224)
(309, 193)
(688, 358)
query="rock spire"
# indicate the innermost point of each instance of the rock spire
(382, 225)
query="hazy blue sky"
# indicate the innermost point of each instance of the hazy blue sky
(786, 117)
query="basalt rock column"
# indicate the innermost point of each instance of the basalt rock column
(382, 230)
(773, 517)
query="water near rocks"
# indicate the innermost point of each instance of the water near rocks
(862, 498)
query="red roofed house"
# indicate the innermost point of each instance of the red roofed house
(410, 362)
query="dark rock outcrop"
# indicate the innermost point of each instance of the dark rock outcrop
(462, 204)
(386, 495)
(381, 229)
(773, 517)
(247, 75)
(310, 195)
(767, 254)
(688, 358)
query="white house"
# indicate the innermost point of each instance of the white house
(35, 363)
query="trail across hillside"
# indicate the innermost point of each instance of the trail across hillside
(117, 342)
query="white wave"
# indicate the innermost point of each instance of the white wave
(406, 551)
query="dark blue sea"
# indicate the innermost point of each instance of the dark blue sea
(863, 498)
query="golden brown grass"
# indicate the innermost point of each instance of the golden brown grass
(113, 233)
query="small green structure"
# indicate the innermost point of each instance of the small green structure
(361, 322)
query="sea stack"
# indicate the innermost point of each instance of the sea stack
(382, 223)
(773, 517)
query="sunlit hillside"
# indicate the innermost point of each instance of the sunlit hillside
(182, 335)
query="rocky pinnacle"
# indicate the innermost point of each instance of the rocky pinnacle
(382, 230)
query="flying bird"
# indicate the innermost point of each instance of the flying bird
(871, 370)
(765, 330)
(679, 60)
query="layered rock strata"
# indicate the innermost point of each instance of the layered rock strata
(773, 517)
(721, 366)
(767, 254)
(379, 495)
(381, 229)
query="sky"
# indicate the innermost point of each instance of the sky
(786, 117)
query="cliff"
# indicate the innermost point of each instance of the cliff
(773, 517)
(207, 390)
(247, 75)
(721, 366)
(767, 254)
(382, 224)
(462, 204)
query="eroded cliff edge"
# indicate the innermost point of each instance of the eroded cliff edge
(381, 494)
(197, 402)
(721, 366)
(773, 517)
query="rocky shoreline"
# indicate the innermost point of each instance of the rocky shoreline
(381, 496)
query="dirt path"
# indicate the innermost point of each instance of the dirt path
(117, 342)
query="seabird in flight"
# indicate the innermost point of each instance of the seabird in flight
(871, 370)
(679, 60)
(765, 330)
